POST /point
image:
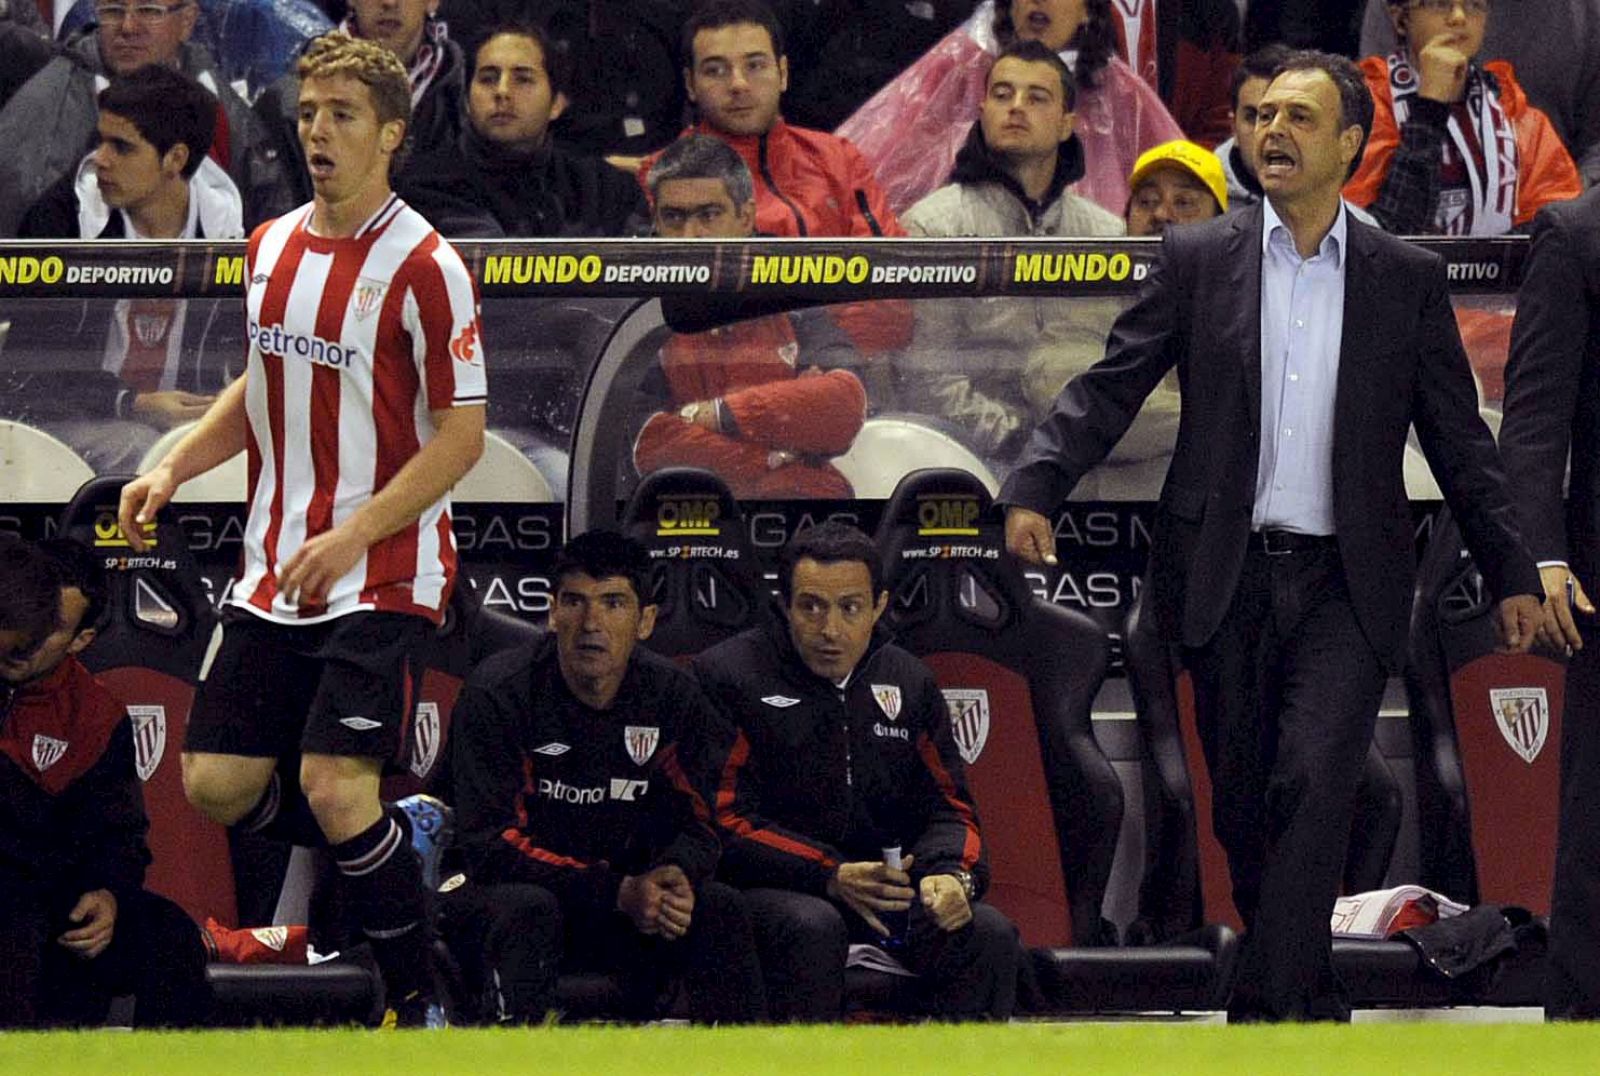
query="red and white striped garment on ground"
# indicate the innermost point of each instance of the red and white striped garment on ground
(353, 342)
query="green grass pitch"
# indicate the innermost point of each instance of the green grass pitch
(1100, 1049)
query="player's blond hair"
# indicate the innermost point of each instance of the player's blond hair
(369, 63)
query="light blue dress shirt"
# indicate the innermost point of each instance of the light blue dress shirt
(1302, 319)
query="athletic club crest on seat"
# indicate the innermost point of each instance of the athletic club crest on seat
(149, 738)
(47, 751)
(426, 734)
(888, 696)
(969, 720)
(1522, 714)
(641, 741)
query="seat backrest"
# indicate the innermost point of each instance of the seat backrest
(227, 482)
(703, 575)
(158, 625)
(1020, 678)
(502, 474)
(35, 466)
(888, 447)
(1489, 729)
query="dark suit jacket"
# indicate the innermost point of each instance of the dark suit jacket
(1401, 362)
(1553, 388)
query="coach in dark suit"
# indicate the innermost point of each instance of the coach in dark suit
(1306, 345)
(1553, 410)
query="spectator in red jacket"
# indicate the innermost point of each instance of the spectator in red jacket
(807, 183)
(765, 402)
(1455, 149)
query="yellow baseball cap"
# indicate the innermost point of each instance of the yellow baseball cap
(1197, 160)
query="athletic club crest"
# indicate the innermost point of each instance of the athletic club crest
(368, 297)
(150, 329)
(274, 938)
(425, 738)
(969, 720)
(641, 741)
(149, 738)
(47, 751)
(1522, 714)
(888, 696)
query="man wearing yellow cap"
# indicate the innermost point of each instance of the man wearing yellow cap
(1176, 182)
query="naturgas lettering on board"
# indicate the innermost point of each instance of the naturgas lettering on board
(770, 269)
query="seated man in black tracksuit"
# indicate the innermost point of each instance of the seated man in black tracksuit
(77, 928)
(581, 775)
(842, 752)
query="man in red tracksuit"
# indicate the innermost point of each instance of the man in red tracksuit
(809, 184)
(842, 799)
(76, 926)
(764, 402)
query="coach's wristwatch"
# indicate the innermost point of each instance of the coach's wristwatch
(968, 886)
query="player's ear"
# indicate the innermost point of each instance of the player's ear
(392, 136)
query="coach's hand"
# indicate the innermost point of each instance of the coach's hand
(1519, 620)
(96, 914)
(946, 901)
(659, 902)
(1563, 595)
(306, 577)
(141, 500)
(1029, 537)
(870, 887)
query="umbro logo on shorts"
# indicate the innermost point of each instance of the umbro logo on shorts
(360, 724)
(782, 702)
(551, 750)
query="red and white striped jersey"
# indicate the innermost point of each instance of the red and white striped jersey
(353, 342)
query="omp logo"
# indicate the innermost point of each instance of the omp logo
(229, 271)
(560, 790)
(687, 515)
(108, 532)
(465, 345)
(1054, 268)
(628, 791)
(541, 269)
(272, 340)
(809, 269)
(942, 515)
(26, 270)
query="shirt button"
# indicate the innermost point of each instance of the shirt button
(1294, 377)
(1287, 432)
(1300, 324)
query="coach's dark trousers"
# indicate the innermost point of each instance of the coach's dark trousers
(1574, 972)
(1286, 696)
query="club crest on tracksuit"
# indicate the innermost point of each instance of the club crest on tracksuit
(149, 738)
(47, 751)
(426, 735)
(969, 720)
(888, 696)
(641, 741)
(1522, 714)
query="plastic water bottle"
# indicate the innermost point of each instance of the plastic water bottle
(897, 922)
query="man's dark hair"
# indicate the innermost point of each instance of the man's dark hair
(557, 58)
(715, 14)
(829, 542)
(30, 593)
(601, 554)
(1355, 100)
(79, 566)
(1035, 52)
(168, 108)
(1096, 39)
(701, 156)
(1262, 63)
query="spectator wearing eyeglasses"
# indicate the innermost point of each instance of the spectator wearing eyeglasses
(1455, 149)
(1554, 46)
(49, 123)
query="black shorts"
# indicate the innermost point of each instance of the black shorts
(346, 686)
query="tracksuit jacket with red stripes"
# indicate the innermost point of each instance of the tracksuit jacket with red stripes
(816, 775)
(553, 793)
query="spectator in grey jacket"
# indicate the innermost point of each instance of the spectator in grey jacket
(49, 124)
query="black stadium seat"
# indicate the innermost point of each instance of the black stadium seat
(704, 578)
(1020, 675)
(151, 646)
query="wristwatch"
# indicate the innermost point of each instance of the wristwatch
(968, 886)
